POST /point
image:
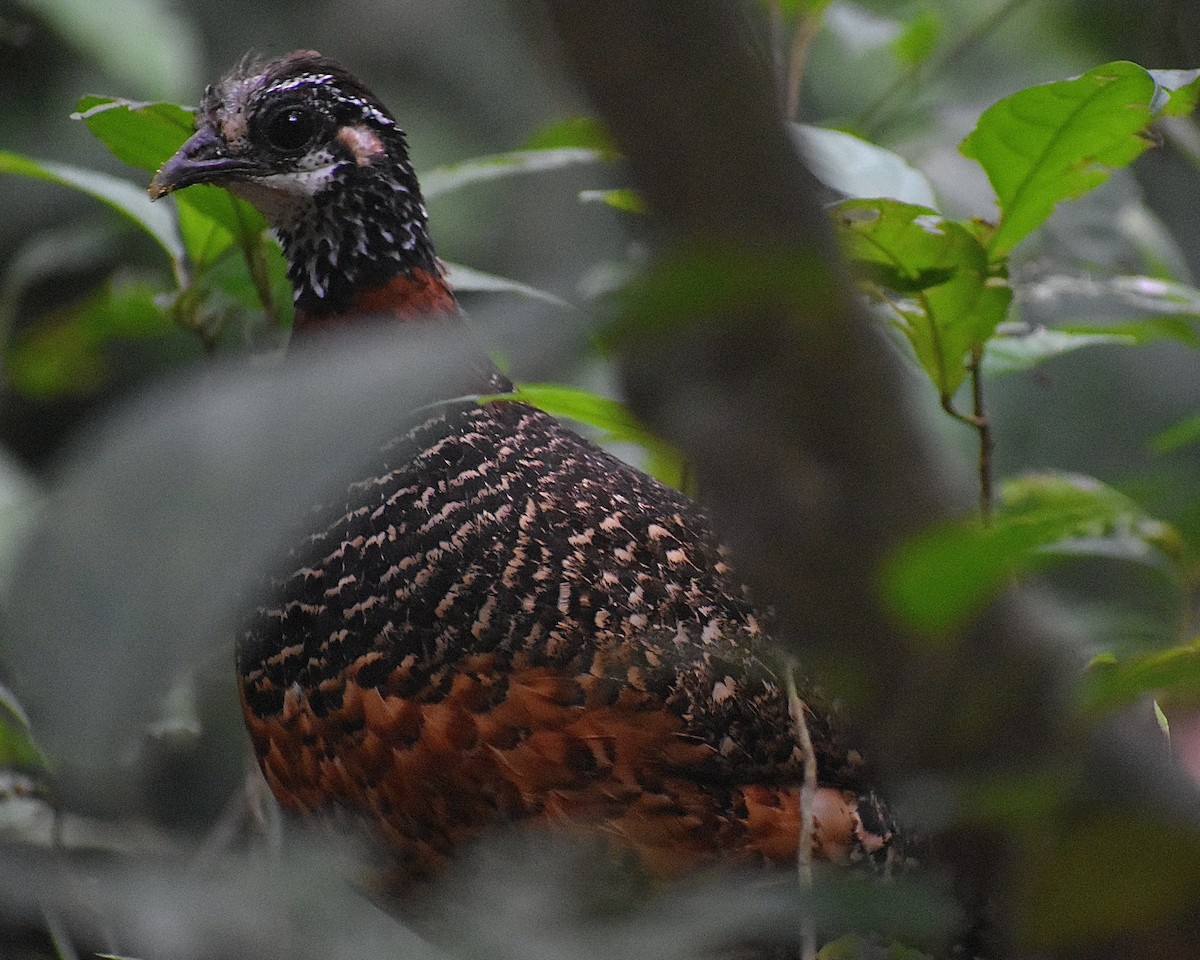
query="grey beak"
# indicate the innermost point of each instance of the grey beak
(201, 159)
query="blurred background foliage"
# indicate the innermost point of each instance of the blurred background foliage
(466, 79)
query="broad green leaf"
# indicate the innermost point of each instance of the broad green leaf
(1059, 140)
(204, 223)
(119, 194)
(67, 352)
(466, 278)
(933, 275)
(630, 201)
(939, 579)
(1011, 354)
(859, 168)
(456, 176)
(1113, 682)
(143, 135)
(212, 220)
(607, 415)
(587, 133)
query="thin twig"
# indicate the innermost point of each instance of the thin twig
(984, 426)
(777, 27)
(869, 120)
(807, 28)
(979, 423)
(808, 791)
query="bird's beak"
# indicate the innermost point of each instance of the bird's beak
(202, 159)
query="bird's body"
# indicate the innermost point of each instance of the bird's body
(501, 622)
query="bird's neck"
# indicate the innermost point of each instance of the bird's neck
(407, 295)
(362, 249)
(369, 257)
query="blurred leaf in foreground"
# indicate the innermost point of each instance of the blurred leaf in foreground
(944, 576)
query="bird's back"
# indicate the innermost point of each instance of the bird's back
(504, 622)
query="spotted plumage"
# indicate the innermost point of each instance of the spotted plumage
(500, 622)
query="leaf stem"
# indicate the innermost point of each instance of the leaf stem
(979, 422)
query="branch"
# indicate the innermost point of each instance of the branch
(788, 404)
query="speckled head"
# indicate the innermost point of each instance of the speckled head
(313, 149)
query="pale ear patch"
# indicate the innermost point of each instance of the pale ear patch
(363, 144)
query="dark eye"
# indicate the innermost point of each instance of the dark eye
(291, 129)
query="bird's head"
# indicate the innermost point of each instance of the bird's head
(315, 151)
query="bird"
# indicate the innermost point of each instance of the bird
(500, 623)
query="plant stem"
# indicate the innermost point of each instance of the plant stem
(984, 426)
(252, 251)
(978, 421)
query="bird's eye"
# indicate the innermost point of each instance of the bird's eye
(291, 129)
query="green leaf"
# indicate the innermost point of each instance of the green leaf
(1142, 332)
(942, 577)
(119, 194)
(1113, 682)
(607, 415)
(68, 352)
(853, 947)
(630, 201)
(585, 133)
(919, 37)
(211, 221)
(1011, 354)
(1177, 436)
(143, 135)
(1057, 141)
(933, 275)
(1163, 723)
(859, 168)
(442, 180)
(18, 751)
